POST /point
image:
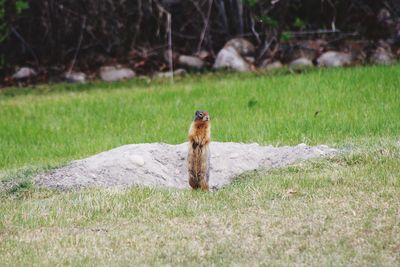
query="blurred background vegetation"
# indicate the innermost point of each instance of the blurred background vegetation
(54, 33)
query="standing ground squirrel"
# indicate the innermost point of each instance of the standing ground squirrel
(199, 152)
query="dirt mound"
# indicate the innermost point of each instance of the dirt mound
(164, 165)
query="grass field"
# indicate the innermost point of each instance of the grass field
(345, 209)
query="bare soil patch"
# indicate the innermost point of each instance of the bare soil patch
(164, 165)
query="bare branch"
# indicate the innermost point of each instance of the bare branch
(79, 45)
(19, 36)
(206, 21)
(169, 33)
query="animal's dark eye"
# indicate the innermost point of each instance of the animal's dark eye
(201, 114)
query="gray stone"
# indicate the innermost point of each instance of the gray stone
(24, 73)
(300, 63)
(229, 58)
(384, 17)
(191, 62)
(180, 72)
(204, 55)
(115, 73)
(168, 74)
(169, 54)
(242, 46)
(237, 54)
(251, 60)
(75, 77)
(163, 165)
(273, 66)
(382, 56)
(334, 59)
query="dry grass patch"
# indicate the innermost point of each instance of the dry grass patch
(338, 211)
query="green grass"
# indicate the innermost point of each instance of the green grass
(339, 211)
(62, 125)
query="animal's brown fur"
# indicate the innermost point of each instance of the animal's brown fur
(199, 152)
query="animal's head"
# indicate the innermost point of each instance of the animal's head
(201, 115)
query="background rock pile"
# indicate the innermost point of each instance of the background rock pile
(51, 41)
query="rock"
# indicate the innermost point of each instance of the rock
(251, 60)
(163, 165)
(115, 73)
(75, 77)
(191, 62)
(300, 63)
(357, 49)
(233, 54)
(229, 58)
(384, 17)
(388, 23)
(163, 75)
(204, 55)
(24, 73)
(242, 46)
(334, 59)
(167, 74)
(382, 57)
(273, 65)
(137, 160)
(168, 53)
(180, 72)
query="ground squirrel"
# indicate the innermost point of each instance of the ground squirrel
(199, 152)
